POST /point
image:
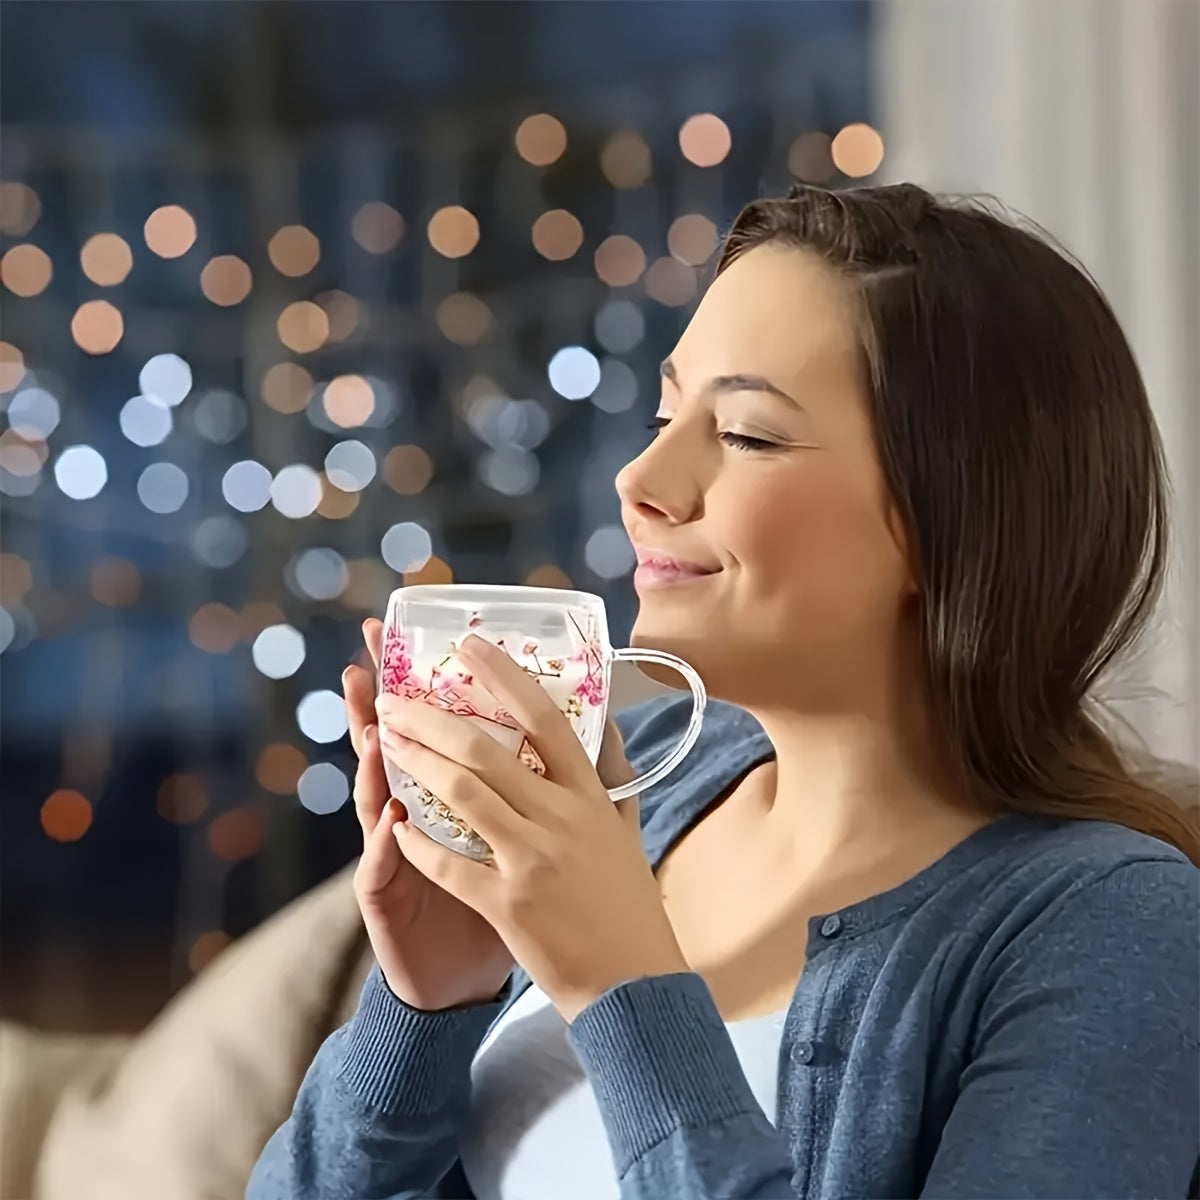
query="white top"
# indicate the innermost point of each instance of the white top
(534, 1130)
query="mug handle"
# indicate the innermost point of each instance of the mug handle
(699, 699)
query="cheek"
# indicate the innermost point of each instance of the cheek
(813, 540)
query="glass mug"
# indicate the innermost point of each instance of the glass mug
(561, 639)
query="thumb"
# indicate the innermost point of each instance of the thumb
(381, 857)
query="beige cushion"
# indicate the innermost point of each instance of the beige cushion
(188, 1107)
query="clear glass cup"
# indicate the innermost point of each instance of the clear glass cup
(560, 637)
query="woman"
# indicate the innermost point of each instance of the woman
(902, 924)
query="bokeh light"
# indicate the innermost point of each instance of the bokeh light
(220, 541)
(294, 250)
(670, 282)
(215, 628)
(66, 815)
(618, 387)
(97, 327)
(625, 160)
(377, 227)
(16, 577)
(608, 552)
(335, 505)
(166, 378)
(407, 470)
(350, 465)
(115, 582)
(12, 366)
(857, 150)
(20, 208)
(34, 413)
(182, 799)
(163, 487)
(80, 472)
(541, 139)
(453, 231)
(705, 140)
(278, 651)
(26, 270)
(318, 573)
(259, 615)
(548, 576)
(348, 401)
(303, 327)
(296, 491)
(557, 235)
(246, 486)
(323, 788)
(620, 326)
(321, 716)
(145, 421)
(810, 158)
(406, 547)
(436, 570)
(237, 834)
(619, 260)
(226, 280)
(343, 312)
(106, 259)
(286, 387)
(219, 416)
(509, 471)
(464, 319)
(574, 372)
(692, 239)
(279, 768)
(170, 231)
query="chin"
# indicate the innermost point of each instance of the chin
(690, 644)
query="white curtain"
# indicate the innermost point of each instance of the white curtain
(1085, 116)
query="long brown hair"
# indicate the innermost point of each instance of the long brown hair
(1019, 447)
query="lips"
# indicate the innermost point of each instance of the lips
(667, 564)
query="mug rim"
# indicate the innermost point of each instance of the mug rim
(503, 592)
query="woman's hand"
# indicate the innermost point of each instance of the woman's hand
(569, 888)
(435, 952)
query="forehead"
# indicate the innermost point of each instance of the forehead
(778, 311)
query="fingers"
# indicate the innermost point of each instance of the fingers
(371, 790)
(381, 856)
(373, 636)
(359, 686)
(459, 787)
(532, 708)
(613, 768)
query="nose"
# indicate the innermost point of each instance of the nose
(658, 485)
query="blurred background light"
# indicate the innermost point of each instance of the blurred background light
(625, 160)
(620, 326)
(704, 140)
(246, 486)
(407, 470)
(220, 541)
(670, 282)
(541, 139)
(321, 716)
(279, 768)
(278, 651)
(80, 472)
(323, 788)
(294, 250)
(618, 387)
(20, 208)
(34, 413)
(296, 491)
(453, 231)
(12, 366)
(377, 227)
(116, 582)
(857, 150)
(350, 465)
(692, 239)
(303, 326)
(145, 421)
(170, 231)
(226, 280)
(219, 416)
(509, 471)
(106, 259)
(319, 573)
(464, 318)
(214, 628)
(163, 487)
(608, 552)
(97, 327)
(619, 260)
(26, 270)
(406, 547)
(286, 387)
(557, 234)
(348, 401)
(574, 372)
(810, 158)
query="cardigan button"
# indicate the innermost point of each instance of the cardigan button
(831, 926)
(802, 1053)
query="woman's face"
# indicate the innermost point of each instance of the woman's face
(764, 476)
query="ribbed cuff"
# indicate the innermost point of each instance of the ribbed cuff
(659, 1058)
(400, 1059)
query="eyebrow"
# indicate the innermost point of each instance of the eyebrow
(731, 383)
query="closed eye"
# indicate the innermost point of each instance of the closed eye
(738, 441)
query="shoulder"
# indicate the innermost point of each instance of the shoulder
(730, 741)
(1095, 899)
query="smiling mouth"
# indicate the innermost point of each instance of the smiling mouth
(661, 572)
